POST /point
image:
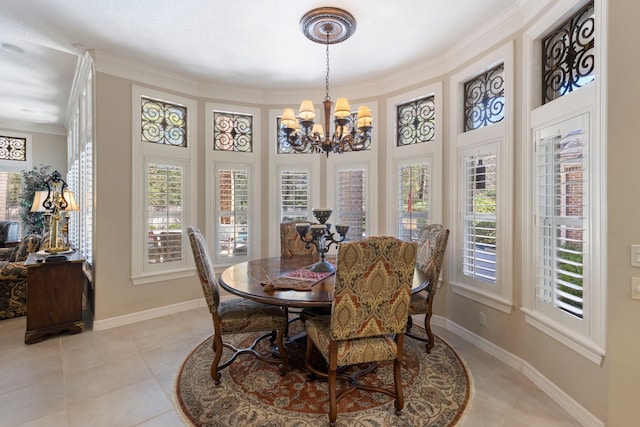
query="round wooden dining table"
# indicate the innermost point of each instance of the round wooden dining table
(247, 279)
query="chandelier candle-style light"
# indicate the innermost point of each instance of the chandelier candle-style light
(327, 25)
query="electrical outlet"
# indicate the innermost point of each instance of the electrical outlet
(483, 318)
(635, 288)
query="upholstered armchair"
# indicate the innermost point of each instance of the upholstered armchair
(13, 276)
(290, 242)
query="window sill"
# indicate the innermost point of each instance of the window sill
(485, 298)
(161, 276)
(577, 343)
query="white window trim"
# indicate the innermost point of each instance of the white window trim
(277, 163)
(141, 151)
(215, 160)
(426, 152)
(501, 297)
(586, 99)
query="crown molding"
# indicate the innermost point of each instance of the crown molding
(33, 127)
(127, 69)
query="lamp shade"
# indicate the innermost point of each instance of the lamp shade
(307, 112)
(342, 109)
(71, 201)
(38, 201)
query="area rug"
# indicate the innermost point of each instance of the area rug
(437, 390)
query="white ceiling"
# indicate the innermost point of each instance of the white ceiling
(251, 43)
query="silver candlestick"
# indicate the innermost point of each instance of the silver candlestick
(322, 238)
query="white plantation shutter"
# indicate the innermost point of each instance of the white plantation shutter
(413, 202)
(560, 222)
(294, 195)
(352, 202)
(233, 206)
(164, 185)
(479, 249)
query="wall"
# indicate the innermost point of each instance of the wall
(623, 349)
(115, 294)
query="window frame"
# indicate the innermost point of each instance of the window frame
(590, 343)
(216, 160)
(500, 295)
(143, 152)
(428, 152)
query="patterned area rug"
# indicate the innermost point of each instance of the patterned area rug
(251, 393)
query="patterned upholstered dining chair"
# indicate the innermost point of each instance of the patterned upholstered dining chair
(235, 315)
(368, 316)
(290, 242)
(432, 244)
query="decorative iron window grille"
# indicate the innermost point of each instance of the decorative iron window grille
(568, 55)
(13, 148)
(164, 123)
(285, 148)
(484, 99)
(416, 121)
(232, 132)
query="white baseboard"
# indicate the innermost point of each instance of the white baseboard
(127, 319)
(576, 410)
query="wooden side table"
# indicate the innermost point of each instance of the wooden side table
(54, 297)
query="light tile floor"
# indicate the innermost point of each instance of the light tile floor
(124, 377)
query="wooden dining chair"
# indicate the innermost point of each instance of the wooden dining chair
(368, 316)
(432, 244)
(235, 315)
(290, 242)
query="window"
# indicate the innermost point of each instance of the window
(15, 156)
(415, 161)
(560, 228)
(414, 190)
(232, 165)
(80, 159)
(480, 241)
(416, 121)
(352, 202)
(568, 60)
(294, 195)
(564, 275)
(233, 212)
(479, 224)
(484, 99)
(164, 185)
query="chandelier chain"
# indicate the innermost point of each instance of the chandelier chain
(327, 97)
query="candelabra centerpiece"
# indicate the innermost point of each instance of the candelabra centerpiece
(322, 238)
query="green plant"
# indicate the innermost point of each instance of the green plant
(33, 180)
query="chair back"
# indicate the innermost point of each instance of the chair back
(28, 244)
(372, 287)
(431, 248)
(290, 242)
(205, 268)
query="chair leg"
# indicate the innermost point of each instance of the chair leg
(284, 367)
(333, 404)
(218, 349)
(427, 327)
(397, 376)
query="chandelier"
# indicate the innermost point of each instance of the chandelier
(327, 25)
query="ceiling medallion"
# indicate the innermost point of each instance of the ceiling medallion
(328, 25)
